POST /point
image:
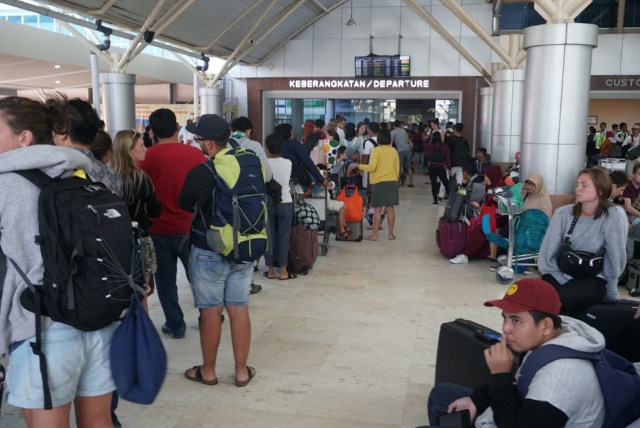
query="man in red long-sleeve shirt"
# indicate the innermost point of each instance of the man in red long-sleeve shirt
(167, 164)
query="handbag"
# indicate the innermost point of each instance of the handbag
(137, 356)
(352, 203)
(578, 264)
(318, 154)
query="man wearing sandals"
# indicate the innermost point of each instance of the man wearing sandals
(215, 282)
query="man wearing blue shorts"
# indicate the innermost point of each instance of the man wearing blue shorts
(215, 282)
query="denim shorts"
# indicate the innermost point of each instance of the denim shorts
(77, 363)
(216, 282)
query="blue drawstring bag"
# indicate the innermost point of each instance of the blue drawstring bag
(138, 358)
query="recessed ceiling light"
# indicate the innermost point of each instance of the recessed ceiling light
(57, 81)
(56, 66)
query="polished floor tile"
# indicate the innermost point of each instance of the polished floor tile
(352, 344)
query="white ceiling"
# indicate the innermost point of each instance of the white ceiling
(26, 73)
(255, 28)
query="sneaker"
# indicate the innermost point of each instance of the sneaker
(434, 203)
(527, 271)
(171, 334)
(255, 288)
(459, 259)
(494, 267)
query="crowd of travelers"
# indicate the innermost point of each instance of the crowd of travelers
(166, 179)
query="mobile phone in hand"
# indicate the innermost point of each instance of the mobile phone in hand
(459, 419)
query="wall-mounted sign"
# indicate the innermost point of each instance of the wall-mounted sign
(358, 83)
(619, 83)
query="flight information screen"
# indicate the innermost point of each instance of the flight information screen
(383, 66)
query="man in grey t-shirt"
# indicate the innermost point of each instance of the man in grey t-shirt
(400, 138)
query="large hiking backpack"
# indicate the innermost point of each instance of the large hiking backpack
(530, 230)
(239, 227)
(92, 259)
(618, 379)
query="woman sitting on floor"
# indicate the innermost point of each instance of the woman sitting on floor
(591, 225)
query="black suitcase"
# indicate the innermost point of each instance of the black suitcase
(460, 357)
(633, 279)
(455, 205)
(617, 324)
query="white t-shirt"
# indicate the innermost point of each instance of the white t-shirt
(343, 140)
(368, 147)
(185, 136)
(281, 169)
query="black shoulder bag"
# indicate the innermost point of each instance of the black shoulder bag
(578, 264)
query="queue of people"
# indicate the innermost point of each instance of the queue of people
(168, 190)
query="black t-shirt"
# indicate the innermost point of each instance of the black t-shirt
(197, 192)
(145, 204)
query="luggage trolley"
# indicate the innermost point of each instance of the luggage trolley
(507, 206)
(328, 219)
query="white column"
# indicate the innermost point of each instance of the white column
(211, 101)
(95, 84)
(506, 120)
(486, 112)
(119, 101)
(196, 95)
(556, 102)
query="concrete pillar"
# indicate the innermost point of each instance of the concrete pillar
(297, 117)
(330, 110)
(196, 95)
(506, 118)
(119, 101)
(556, 102)
(211, 101)
(486, 112)
(95, 84)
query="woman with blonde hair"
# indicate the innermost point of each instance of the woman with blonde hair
(138, 192)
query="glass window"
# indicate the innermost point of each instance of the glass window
(31, 20)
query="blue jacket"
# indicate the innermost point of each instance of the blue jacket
(300, 161)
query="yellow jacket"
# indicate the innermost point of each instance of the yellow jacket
(384, 165)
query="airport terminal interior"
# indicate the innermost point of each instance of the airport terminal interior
(353, 343)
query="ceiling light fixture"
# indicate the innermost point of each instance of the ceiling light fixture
(351, 22)
(56, 66)
(57, 82)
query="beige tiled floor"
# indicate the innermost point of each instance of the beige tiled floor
(352, 344)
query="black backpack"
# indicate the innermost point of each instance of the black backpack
(91, 255)
(372, 141)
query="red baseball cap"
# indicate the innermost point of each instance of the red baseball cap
(529, 294)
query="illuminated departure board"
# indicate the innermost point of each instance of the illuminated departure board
(383, 66)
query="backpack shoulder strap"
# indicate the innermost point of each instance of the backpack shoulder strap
(234, 143)
(35, 176)
(543, 356)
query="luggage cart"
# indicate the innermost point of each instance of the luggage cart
(328, 219)
(506, 206)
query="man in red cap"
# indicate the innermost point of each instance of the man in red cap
(564, 393)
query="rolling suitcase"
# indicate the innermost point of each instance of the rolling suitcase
(451, 237)
(633, 280)
(303, 251)
(356, 232)
(460, 355)
(455, 205)
(617, 324)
